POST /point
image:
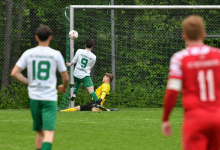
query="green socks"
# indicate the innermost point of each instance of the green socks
(94, 96)
(38, 149)
(76, 87)
(46, 146)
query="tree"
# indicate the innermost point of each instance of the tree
(16, 50)
(7, 44)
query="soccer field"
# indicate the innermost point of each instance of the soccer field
(127, 129)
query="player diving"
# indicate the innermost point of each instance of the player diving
(102, 92)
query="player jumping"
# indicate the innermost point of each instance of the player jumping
(41, 63)
(195, 70)
(101, 92)
(84, 60)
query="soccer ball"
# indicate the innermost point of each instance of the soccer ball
(73, 34)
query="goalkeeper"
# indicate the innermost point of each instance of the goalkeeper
(101, 92)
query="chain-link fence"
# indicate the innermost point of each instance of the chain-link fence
(144, 42)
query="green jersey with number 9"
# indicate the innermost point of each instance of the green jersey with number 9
(42, 63)
(84, 60)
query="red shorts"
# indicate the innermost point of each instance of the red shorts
(201, 130)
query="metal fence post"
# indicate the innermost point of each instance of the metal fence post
(113, 45)
(71, 54)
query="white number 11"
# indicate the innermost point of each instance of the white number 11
(202, 85)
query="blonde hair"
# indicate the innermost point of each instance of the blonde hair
(110, 76)
(193, 27)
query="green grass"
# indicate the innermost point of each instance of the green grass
(127, 129)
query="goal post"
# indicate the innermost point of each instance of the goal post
(71, 55)
(148, 65)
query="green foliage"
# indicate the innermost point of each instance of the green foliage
(133, 96)
(144, 42)
(137, 97)
(15, 96)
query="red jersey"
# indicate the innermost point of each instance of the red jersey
(199, 69)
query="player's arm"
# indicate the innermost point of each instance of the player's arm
(16, 73)
(74, 60)
(65, 80)
(174, 85)
(63, 73)
(105, 89)
(19, 67)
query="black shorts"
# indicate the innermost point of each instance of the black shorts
(89, 106)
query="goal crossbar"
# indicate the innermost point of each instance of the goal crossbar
(145, 6)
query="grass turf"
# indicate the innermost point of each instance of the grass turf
(126, 129)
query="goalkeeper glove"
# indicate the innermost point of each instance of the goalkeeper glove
(99, 101)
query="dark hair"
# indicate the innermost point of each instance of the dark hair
(89, 43)
(110, 76)
(43, 33)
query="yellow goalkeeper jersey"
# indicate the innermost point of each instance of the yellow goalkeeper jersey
(103, 91)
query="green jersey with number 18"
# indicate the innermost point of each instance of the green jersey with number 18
(84, 60)
(42, 63)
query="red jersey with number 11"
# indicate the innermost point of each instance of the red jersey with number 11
(199, 69)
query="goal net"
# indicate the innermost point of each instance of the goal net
(145, 39)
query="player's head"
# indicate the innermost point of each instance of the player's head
(193, 28)
(43, 34)
(89, 43)
(107, 78)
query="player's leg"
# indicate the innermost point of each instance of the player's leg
(87, 107)
(213, 141)
(99, 106)
(87, 82)
(92, 93)
(77, 108)
(35, 107)
(49, 114)
(95, 109)
(193, 136)
(39, 139)
(48, 139)
(77, 83)
(214, 133)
